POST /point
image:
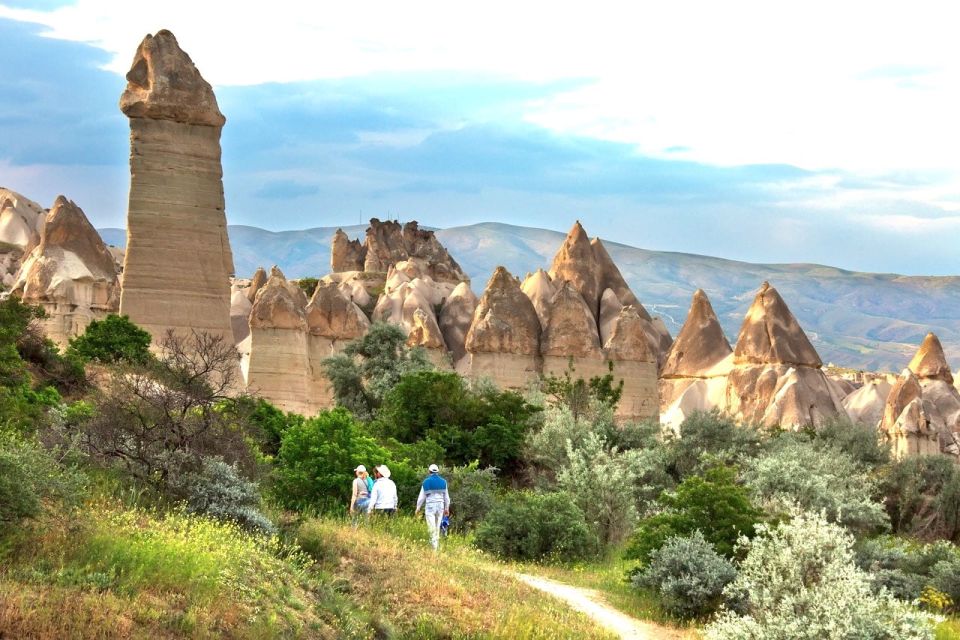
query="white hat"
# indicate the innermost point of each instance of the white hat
(434, 468)
(384, 471)
(360, 467)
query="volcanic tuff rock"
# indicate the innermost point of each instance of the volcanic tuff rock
(539, 288)
(279, 305)
(21, 220)
(70, 273)
(700, 346)
(346, 254)
(425, 332)
(575, 262)
(505, 320)
(455, 319)
(178, 260)
(905, 423)
(865, 405)
(627, 339)
(333, 315)
(571, 329)
(770, 334)
(930, 363)
(259, 279)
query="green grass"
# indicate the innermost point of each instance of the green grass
(949, 629)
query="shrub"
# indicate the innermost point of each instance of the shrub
(472, 495)
(217, 489)
(796, 472)
(799, 580)
(906, 569)
(600, 482)
(712, 503)
(923, 497)
(860, 442)
(709, 438)
(579, 395)
(536, 526)
(30, 476)
(113, 339)
(547, 446)
(688, 575)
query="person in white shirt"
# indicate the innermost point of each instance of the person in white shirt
(434, 499)
(383, 498)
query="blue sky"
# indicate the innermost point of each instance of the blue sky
(752, 132)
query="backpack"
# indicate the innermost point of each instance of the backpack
(369, 484)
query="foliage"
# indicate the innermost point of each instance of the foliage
(217, 489)
(31, 477)
(797, 472)
(688, 575)
(149, 418)
(577, 394)
(308, 285)
(536, 526)
(482, 424)
(799, 580)
(922, 497)
(600, 482)
(370, 366)
(113, 339)
(713, 504)
(709, 438)
(906, 569)
(860, 442)
(472, 494)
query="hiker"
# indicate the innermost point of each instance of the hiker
(360, 495)
(383, 498)
(435, 501)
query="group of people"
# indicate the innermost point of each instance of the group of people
(379, 495)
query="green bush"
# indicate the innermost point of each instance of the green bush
(472, 494)
(797, 472)
(113, 339)
(709, 438)
(30, 476)
(688, 575)
(905, 568)
(860, 442)
(713, 504)
(799, 581)
(536, 526)
(922, 497)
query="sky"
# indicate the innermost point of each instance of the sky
(809, 131)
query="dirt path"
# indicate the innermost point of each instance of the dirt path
(590, 602)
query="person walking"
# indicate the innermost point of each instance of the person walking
(360, 494)
(434, 499)
(383, 498)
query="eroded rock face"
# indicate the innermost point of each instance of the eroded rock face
(70, 273)
(425, 331)
(866, 405)
(627, 339)
(178, 261)
(539, 288)
(609, 277)
(770, 334)
(259, 279)
(700, 346)
(505, 320)
(905, 423)
(455, 319)
(930, 363)
(346, 254)
(331, 314)
(571, 330)
(21, 220)
(279, 305)
(575, 263)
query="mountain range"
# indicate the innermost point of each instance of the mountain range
(871, 321)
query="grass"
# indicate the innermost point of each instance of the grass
(388, 567)
(112, 572)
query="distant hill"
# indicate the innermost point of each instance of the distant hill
(859, 320)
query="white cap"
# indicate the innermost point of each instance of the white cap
(360, 467)
(434, 468)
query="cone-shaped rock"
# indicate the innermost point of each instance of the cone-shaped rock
(905, 390)
(21, 220)
(539, 288)
(770, 334)
(259, 279)
(456, 317)
(930, 363)
(346, 254)
(279, 305)
(575, 262)
(425, 331)
(610, 307)
(332, 315)
(866, 405)
(609, 277)
(700, 346)
(70, 272)
(628, 338)
(505, 320)
(178, 260)
(571, 329)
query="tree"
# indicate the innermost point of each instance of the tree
(368, 367)
(578, 394)
(113, 339)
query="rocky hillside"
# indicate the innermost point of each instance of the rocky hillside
(858, 320)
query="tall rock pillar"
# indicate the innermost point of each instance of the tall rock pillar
(178, 261)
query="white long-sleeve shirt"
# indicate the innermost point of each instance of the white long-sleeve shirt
(383, 496)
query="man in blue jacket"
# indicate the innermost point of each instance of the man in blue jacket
(434, 499)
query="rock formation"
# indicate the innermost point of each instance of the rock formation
(259, 279)
(21, 221)
(70, 273)
(455, 319)
(571, 332)
(635, 363)
(278, 345)
(906, 424)
(770, 334)
(539, 288)
(178, 260)
(865, 405)
(387, 243)
(503, 342)
(694, 372)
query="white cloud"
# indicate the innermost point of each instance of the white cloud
(859, 86)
